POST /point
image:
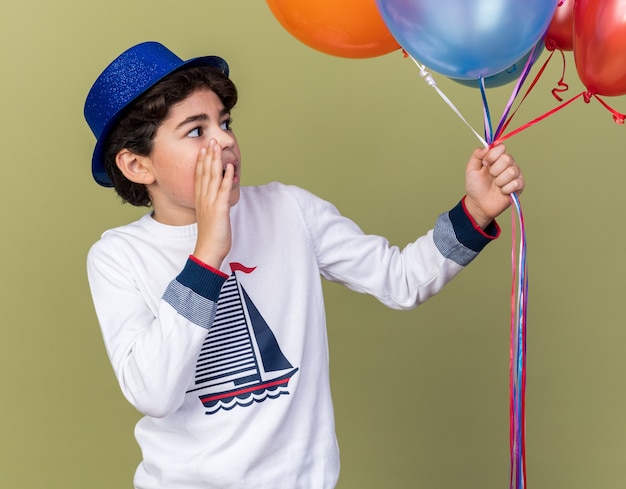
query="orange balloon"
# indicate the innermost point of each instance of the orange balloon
(561, 28)
(344, 28)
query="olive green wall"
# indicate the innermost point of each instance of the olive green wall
(422, 396)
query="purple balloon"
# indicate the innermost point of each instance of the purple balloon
(467, 39)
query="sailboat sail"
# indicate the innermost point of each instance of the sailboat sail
(240, 361)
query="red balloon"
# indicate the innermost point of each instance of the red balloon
(561, 28)
(600, 45)
(345, 28)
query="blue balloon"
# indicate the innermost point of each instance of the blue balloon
(511, 74)
(467, 39)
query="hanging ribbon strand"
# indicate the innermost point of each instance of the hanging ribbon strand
(519, 303)
(519, 287)
(517, 367)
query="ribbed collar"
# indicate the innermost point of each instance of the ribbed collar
(166, 230)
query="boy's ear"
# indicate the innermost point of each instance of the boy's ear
(134, 167)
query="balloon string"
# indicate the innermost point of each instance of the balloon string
(486, 115)
(518, 85)
(617, 116)
(517, 367)
(499, 139)
(517, 349)
(504, 124)
(551, 46)
(562, 86)
(512, 354)
(430, 81)
(519, 290)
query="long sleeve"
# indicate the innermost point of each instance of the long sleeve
(152, 343)
(399, 278)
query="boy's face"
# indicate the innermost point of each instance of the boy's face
(188, 128)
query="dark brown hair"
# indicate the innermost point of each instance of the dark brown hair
(138, 125)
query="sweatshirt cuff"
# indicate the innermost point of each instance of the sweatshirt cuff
(470, 234)
(203, 279)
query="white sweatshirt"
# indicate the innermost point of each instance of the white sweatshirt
(230, 367)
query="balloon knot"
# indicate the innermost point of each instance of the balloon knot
(428, 78)
(550, 44)
(405, 54)
(587, 96)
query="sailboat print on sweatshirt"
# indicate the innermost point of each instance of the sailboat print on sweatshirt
(240, 362)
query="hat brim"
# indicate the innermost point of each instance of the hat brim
(98, 169)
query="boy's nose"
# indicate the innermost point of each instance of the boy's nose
(225, 139)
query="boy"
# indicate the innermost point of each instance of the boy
(211, 305)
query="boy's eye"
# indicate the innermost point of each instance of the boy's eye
(196, 132)
(226, 125)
